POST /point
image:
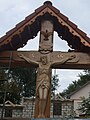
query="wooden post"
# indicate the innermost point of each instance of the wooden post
(45, 47)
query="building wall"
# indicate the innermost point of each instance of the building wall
(16, 113)
(67, 109)
(27, 111)
(83, 92)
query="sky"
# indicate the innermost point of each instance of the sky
(78, 11)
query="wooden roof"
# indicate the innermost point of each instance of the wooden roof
(28, 29)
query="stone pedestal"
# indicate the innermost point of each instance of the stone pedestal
(51, 119)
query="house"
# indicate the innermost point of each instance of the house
(11, 110)
(23, 110)
(84, 91)
(59, 108)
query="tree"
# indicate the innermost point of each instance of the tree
(28, 84)
(26, 79)
(9, 87)
(21, 82)
(85, 106)
(17, 84)
(54, 84)
(83, 78)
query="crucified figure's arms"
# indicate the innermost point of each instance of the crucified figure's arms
(65, 59)
(27, 59)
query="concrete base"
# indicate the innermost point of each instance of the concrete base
(16, 119)
(37, 119)
(50, 119)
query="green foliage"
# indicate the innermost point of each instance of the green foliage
(54, 83)
(85, 106)
(21, 82)
(26, 79)
(83, 78)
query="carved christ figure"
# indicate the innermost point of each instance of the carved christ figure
(43, 79)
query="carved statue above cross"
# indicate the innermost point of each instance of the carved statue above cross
(46, 37)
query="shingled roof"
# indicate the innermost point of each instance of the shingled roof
(28, 29)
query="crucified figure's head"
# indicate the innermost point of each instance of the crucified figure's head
(43, 59)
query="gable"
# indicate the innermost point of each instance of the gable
(9, 103)
(83, 91)
(28, 29)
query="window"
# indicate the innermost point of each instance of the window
(57, 108)
(8, 112)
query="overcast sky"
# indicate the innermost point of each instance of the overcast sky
(78, 11)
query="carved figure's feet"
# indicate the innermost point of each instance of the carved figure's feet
(41, 116)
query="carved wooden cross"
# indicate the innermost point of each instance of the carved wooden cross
(44, 60)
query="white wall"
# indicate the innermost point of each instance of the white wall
(82, 92)
(85, 91)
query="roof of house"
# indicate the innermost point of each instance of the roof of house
(9, 104)
(80, 88)
(28, 29)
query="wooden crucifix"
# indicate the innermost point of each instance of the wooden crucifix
(44, 70)
(44, 60)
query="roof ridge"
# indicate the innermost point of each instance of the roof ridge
(80, 87)
(63, 20)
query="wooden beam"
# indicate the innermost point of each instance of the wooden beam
(16, 61)
(81, 61)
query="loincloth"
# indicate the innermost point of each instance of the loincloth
(43, 82)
